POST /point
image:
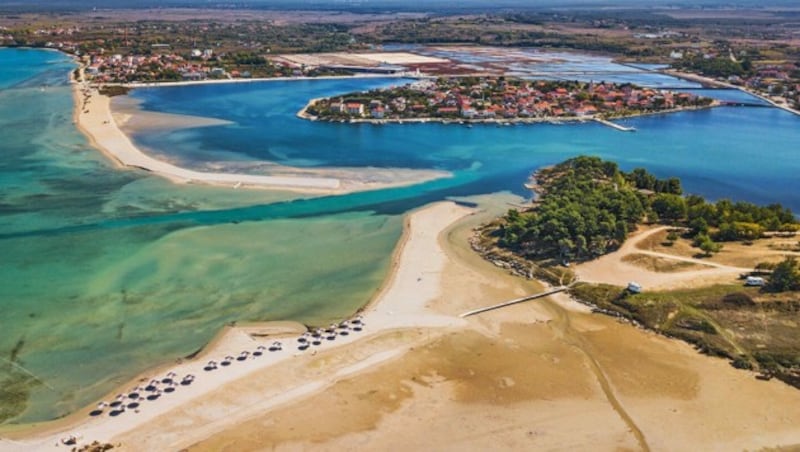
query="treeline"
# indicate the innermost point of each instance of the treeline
(184, 36)
(586, 209)
(246, 58)
(724, 220)
(721, 66)
(785, 276)
(587, 206)
(490, 30)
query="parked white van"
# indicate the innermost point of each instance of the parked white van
(754, 281)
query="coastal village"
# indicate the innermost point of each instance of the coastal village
(200, 64)
(147, 52)
(500, 98)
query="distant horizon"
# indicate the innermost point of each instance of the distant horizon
(22, 6)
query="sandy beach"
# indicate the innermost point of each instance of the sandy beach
(95, 118)
(400, 305)
(541, 375)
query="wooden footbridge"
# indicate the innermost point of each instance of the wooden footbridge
(515, 301)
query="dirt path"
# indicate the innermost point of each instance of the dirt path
(611, 268)
(632, 247)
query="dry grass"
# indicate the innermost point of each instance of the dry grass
(735, 254)
(659, 264)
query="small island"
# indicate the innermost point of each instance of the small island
(500, 99)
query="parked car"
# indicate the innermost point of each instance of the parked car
(634, 287)
(755, 281)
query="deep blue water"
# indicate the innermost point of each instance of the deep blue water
(735, 152)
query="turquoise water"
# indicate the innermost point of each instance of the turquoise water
(84, 310)
(96, 260)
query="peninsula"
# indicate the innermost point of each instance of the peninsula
(586, 209)
(490, 99)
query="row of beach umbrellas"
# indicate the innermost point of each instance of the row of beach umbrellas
(150, 392)
(316, 336)
(157, 387)
(310, 338)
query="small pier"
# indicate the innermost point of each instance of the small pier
(615, 125)
(732, 103)
(514, 301)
